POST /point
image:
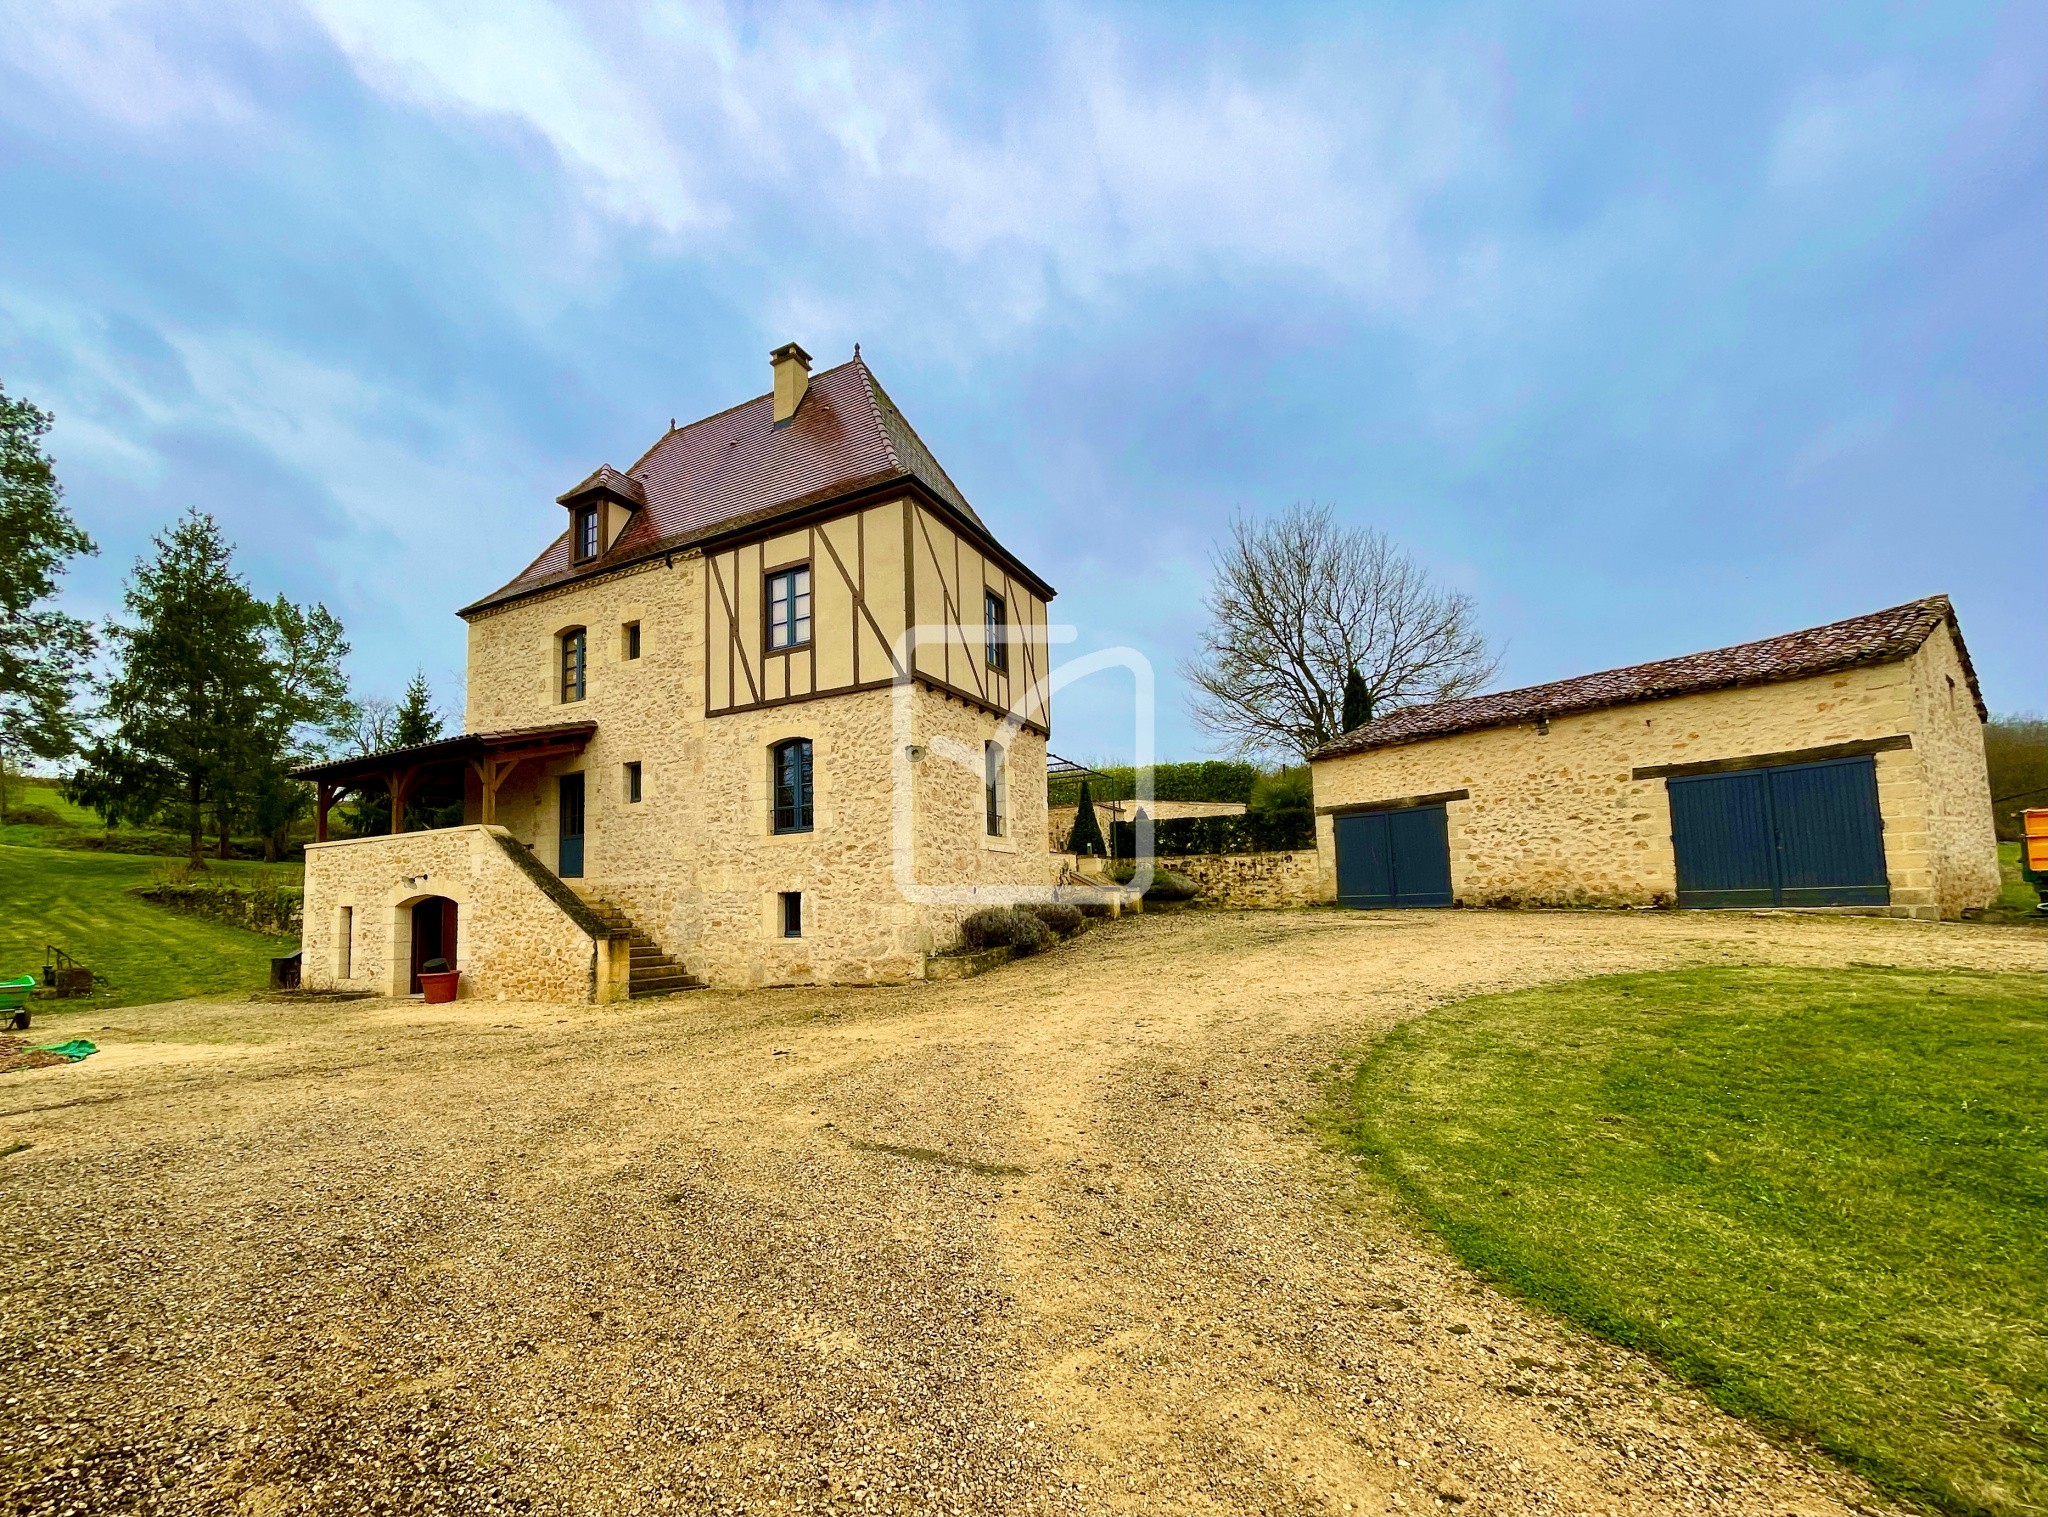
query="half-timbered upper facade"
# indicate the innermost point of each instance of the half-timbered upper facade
(768, 689)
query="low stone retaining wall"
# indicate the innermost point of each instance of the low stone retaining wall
(279, 911)
(1252, 879)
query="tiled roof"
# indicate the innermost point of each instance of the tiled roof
(462, 745)
(738, 466)
(1877, 638)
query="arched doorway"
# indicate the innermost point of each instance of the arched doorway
(433, 935)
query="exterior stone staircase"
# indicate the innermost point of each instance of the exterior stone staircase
(654, 973)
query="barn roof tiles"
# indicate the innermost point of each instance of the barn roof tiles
(739, 467)
(1877, 638)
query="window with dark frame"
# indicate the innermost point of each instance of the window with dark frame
(575, 650)
(586, 533)
(789, 607)
(790, 768)
(792, 913)
(631, 643)
(632, 783)
(995, 622)
(995, 780)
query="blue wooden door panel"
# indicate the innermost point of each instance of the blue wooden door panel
(569, 859)
(1791, 835)
(1830, 834)
(1394, 858)
(1365, 860)
(1422, 856)
(1721, 833)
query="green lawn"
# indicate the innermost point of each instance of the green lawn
(80, 901)
(1821, 1195)
(2017, 900)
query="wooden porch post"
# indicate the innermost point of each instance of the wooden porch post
(400, 781)
(320, 820)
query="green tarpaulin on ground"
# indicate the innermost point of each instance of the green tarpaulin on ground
(76, 1049)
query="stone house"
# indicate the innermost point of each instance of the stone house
(1840, 767)
(769, 710)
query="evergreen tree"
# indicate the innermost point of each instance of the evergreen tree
(1085, 841)
(1357, 701)
(192, 705)
(42, 650)
(412, 721)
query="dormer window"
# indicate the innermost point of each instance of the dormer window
(583, 534)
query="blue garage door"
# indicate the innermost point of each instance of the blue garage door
(1394, 858)
(1794, 835)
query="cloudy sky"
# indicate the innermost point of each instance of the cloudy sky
(1652, 328)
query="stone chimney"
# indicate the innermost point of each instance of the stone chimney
(792, 367)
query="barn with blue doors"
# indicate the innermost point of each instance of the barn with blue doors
(1840, 768)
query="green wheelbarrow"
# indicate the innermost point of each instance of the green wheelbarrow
(14, 996)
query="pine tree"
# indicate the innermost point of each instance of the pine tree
(191, 704)
(1357, 701)
(42, 650)
(416, 721)
(1085, 841)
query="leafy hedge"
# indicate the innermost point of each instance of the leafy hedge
(1251, 833)
(1202, 780)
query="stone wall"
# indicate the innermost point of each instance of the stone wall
(277, 910)
(1253, 879)
(695, 863)
(1961, 843)
(1554, 817)
(515, 939)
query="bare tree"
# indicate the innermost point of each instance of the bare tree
(1300, 601)
(376, 719)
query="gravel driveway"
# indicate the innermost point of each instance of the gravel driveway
(1058, 1239)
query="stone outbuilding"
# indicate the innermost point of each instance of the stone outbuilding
(1840, 768)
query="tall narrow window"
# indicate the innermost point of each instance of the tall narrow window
(345, 943)
(792, 913)
(789, 607)
(995, 781)
(629, 641)
(790, 766)
(585, 533)
(575, 647)
(995, 623)
(632, 783)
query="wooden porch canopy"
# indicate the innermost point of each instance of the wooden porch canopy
(493, 755)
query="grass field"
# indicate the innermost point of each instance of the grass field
(2017, 900)
(140, 952)
(1821, 1195)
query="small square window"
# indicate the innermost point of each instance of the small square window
(632, 782)
(792, 913)
(631, 647)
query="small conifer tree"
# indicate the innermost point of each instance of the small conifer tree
(1357, 701)
(1085, 841)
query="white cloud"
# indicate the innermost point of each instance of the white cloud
(810, 124)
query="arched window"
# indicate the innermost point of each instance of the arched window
(575, 663)
(995, 766)
(789, 770)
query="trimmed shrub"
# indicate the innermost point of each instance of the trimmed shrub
(1168, 886)
(1085, 841)
(1005, 927)
(1058, 915)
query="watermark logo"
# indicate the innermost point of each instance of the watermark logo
(927, 834)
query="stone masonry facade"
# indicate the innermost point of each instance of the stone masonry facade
(514, 941)
(695, 862)
(1555, 819)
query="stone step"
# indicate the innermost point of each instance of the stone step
(662, 985)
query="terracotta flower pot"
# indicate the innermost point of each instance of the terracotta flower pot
(436, 988)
